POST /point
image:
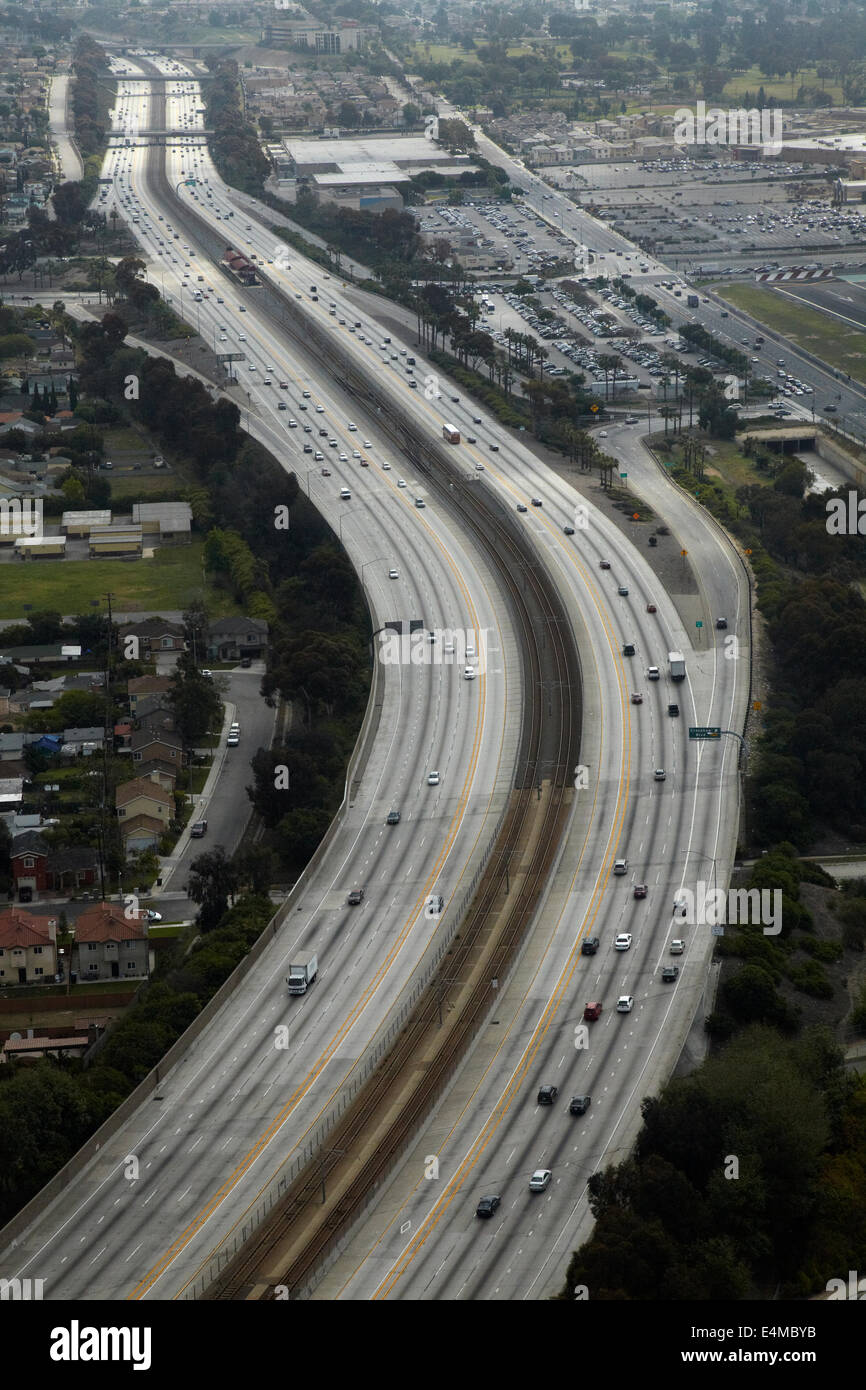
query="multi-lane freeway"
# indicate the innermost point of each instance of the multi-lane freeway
(238, 1110)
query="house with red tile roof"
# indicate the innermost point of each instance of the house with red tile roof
(28, 951)
(110, 944)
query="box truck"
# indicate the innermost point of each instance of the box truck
(302, 972)
(678, 666)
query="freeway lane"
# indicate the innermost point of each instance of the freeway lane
(674, 841)
(237, 1108)
(671, 833)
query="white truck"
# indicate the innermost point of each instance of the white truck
(678, 666)
(302, 972)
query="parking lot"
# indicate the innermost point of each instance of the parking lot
(702, 213)
(501, 234)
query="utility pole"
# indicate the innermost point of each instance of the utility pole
(107, 733)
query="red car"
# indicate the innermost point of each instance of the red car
(650, 608)
(640, 890)
(592, 1012)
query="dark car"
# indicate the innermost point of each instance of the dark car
(393, 818)
(547, 1095)
(198, 829)
(721, 623)
(579, 1105)
(673, 710)
(604, 564)
(246, 662)
(653, 540)
(640, 890)
(589, 946)
(487, 1206)
(592, 1011)
(670, 973)
(628, 649)
(355, 897)
(568, 530)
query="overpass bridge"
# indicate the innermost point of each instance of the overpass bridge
(157, 137)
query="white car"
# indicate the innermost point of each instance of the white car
(386, 468)
(625, 1004)
(401, 482)
(469, 673)
(623, 941)
(345, 494)
(677, 947)
(351, 427)
(540, 1180)
(393, 574)
(151, 915)
(432, 779)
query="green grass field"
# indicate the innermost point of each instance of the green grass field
(836, 343)
(780, 86)
(171, 580)
(126, 489)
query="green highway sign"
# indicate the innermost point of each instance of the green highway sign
(705, 732)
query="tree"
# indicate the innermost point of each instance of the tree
(213, 882)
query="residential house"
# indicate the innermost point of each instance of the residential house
(153, 709)
(144, 809)
(110, 944)
(82, 743)
(39, 867)
(28, 950)
(230, 639)
(153, 635)
(157, 753)
(141, 686)
(52, 653)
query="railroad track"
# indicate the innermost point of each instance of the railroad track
(486, 947)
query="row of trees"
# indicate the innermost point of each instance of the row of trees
(748, 1181)
(88, 64)
(234, 144)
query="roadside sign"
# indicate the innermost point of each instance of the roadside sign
(705, 731)
(699, 623)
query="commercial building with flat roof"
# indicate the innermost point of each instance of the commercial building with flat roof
(168, 520)
(80, 523)
(411, 153)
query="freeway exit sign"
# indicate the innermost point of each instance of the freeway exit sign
(705, 732)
